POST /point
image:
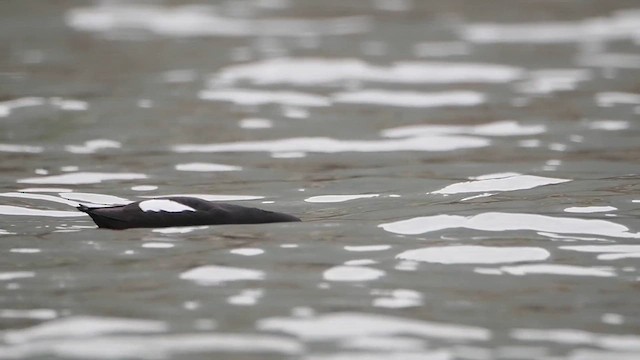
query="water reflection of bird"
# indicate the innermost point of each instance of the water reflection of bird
(179, 211)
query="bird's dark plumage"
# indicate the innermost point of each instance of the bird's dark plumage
(179, 211)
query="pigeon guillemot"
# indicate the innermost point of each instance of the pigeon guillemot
(179, 211)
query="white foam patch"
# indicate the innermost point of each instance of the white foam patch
(589, 209)
(92, 146)
(214, 275)
(201, 20)
(329, 145)
(497, 128)
(345, 325)
(579, 337)
(25, 250)
(352, 273)
(212, 197)
(115, 347)
(82, 326)
(95, 198)
(163, 205)
(80, 178)
(317, 71)
(261, 97)
(496, 221)
(507, 183)
(338, 198)
(410, 98)
(475, 254)
(15, 148)
(21, 211)
(556, 269)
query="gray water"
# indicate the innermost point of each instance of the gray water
(466, 172)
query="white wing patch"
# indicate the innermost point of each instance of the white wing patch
(163, 205)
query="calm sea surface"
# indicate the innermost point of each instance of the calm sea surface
(467, 172)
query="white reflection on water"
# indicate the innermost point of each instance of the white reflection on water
(211, 197)
(577, 337)
(341, 326)
(14, 148)
(621, 25)
(38, 314)
(552, 80)
(504, 182)
(317, 71)
(152, 346)
(606, 99)
(589, 209)
(329, 145)
(95, 198)
(40, 197)
(552, 269)
(215, 275)
(6, 107)
(13, 275)
(410, 98)
(92, 146)
(352, 273)
(497, 221)
(201, 20)
(261, 97)
(497, 128)
(475, 254)
(21, 211)
(396, 299)
(81, 178)
(206, 167)
(608, 252)
(338, 198)
(82, 326)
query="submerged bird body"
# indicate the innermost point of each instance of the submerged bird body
(179, 211)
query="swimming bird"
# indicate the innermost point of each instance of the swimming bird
(179, 211)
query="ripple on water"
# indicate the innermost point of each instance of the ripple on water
(92, 146)
(497, 221)
(410, 98)
(474, 254)
(497, 128)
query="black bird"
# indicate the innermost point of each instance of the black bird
(179, 211)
